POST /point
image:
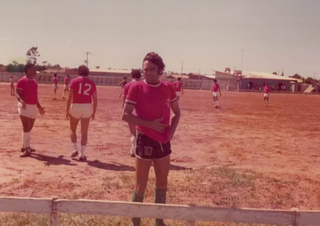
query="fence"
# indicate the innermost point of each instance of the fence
(190, 213)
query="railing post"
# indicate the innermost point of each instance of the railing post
(191, 222)
(54, 220)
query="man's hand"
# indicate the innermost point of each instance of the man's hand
(158, 126)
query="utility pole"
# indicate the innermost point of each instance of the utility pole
(242, 50)
(182, 66)
(87, 60)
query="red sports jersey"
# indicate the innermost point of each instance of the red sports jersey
(152, 102)
(66, 80)
(126, 88)
(267, 89)
(177, 86)
(29, 89)
(83, 88)
(55, 81)
(215, 87)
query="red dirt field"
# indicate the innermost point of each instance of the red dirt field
(281, 139)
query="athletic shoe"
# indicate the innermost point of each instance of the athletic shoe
(26, 153)
(31, 150)
(74, 154)
(83, 158)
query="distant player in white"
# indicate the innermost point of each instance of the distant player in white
(65, 86)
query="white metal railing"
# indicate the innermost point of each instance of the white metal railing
(191, 213)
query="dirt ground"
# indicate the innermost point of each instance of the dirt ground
(281, 139)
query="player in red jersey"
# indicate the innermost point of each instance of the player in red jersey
(135, 75)
(65, 86)
(27, 94)
(82, 93)
(11, 86)
(266, 96)
(215, 90)
(152, 100)
(55, 86)
(178, 88)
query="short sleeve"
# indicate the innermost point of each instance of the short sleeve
(173, 95)
(21, 84)
(132, 96)
(94, 87)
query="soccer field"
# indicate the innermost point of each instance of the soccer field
(244, 154)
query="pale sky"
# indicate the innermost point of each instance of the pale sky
(206, 34)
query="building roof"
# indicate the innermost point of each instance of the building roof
(264, 75)
(114, 71)
(258, 75)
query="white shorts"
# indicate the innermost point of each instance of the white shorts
(178, 94)
(55, 87)
(29, 111)
(215, 94)
(81, 110)
(66, 86)
(266, 95)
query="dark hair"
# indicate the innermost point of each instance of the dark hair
(135, 73)
(214, 80)
(179, 79)
(157, 60)
(55, 75)
(83, 70)
(28, 66)
(124, 77)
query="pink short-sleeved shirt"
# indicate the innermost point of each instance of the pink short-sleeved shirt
(152, 102)
(29, 89)
(83, 88)
(267, 89)
(11, 81)
(215, 87)
(177, 86)
(55, 81)
(66, 80)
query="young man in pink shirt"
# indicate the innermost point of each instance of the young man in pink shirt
(215, 90)
(55, 86)
(266, 95)
(82, 93)
(178, 88)
(152, 99)
(11, 86)
(27, 94)
(136, 75)
(65, 86)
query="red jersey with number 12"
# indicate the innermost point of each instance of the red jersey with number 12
(83, 88)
